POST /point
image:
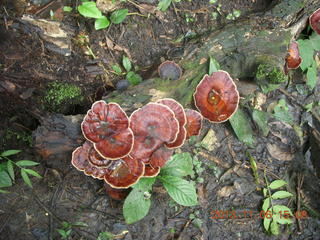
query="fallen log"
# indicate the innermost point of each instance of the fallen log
(239, 47)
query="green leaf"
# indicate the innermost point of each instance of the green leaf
(265, 191)
(306, 53)
(281, 219)
(163, 5)
(118, 16)
(312, 76)
(126, 63)
(281, 112)
(261, 119)
(106, 236)
(4, 191)
(10, 169)
(33, 173)
(101, 23)
(315, 41)
(90, 10)
(266, 223)
(134, 78)
(144, 184)
(135, 206)
(180, 190)
(241, 126)
(9, 153)
(281, 195)
(67, 9)
(274, 228)
(25, 177)
(62, 233)
(179, 165)
(266, 204)
(277, 208)
(80, 224)
(277, 184)
(5, 180)
(117, 69)
(213, 65)
(26, 163)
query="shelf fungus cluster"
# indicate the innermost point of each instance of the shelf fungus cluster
(120, 150)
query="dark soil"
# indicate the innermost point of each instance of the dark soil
(27, 68)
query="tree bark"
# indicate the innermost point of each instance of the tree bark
(239, 47)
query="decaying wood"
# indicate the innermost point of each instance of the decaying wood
(239, 48)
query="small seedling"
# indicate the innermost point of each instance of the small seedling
(66, 228)
(132, 77)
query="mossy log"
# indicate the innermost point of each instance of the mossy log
(239, 47)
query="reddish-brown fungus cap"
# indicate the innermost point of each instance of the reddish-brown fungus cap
(124, 172)
(117, 194)
(314, 21)
(194, 123)
(181, 117)
(107, 126)
(152, 125)
(293, 59)
(160, 157)
(169, 70)
(217, 97)
(151, 171)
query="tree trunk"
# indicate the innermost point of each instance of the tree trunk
(240, 47)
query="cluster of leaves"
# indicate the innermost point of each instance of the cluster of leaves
(7, 173)
(183, 192)
(307, 49)
(66, 228)
(275, 214)
(235, 14)
(89, 9)
(132, 77)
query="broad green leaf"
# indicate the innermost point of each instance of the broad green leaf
(306, 53)
(101, 23)
(163, 5)
(80, 224)
(106, 236)
(266, 204)
(126, 63)
(277, 184)
(144, 184)
(25, 177)
(4, 191)
(9, 153)
(281, 112)
(274, 228)
(26, 163)
(5, 180)
(67, 9)
(241, 126)
(134, 78)
(213, 65)
(315, 41)
(63, 233)
(117, 69)
(281, 219)
(90, 10)
(261, 119)
(10, 169)
(179, 165)
(266, 223)
(281, 208)
(180, 190)
(135, 206)
(33, 173)
(312, 76)
(281, 195)
(118, 16)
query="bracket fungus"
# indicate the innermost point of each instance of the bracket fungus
(314, 21)
(120, 173)
(180, 115)
(107, 127)
(216, 97)
(151, 171)
(152, 125)
(160, 157)
(194, 123)
(169, 70)
(293, 59)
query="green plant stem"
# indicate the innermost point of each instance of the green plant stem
(269, 192)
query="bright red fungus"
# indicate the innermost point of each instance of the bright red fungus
(107, 126)
(314, 21)
(194, 123)
(180, 115)
(293, 59)
(160, 157)
(151, 171)
(217, 97)
(152, 125)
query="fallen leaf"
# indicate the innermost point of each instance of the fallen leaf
(225, 191)
(279, 153)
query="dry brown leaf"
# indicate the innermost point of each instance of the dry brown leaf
(279, 153)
